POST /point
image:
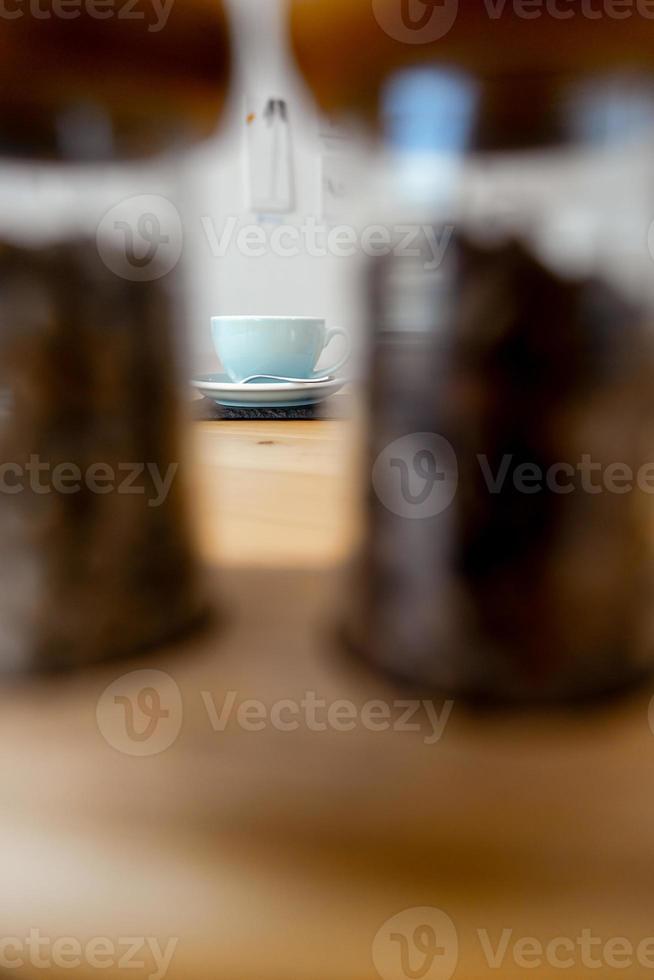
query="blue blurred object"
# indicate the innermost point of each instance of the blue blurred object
(611, 111)
(429, 116)
(430, 110)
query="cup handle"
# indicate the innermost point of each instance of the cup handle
(331, 335)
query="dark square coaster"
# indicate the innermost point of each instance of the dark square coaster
(206, 410)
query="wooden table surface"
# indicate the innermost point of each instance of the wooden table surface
(274, 854)
(270, 494)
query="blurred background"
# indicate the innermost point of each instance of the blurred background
(230, 179)
(345, 677)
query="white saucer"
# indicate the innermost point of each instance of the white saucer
(276, 394)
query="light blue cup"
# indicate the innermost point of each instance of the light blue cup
(288, 346)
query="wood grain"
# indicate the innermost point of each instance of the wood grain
(278, 855)
(275, 494)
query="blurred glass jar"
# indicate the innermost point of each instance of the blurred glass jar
(98, 559)
(510, 524)
(87, 80)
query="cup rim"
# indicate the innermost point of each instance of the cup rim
(262, 316)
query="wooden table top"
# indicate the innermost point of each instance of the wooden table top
(279, 853)
(269, 494)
